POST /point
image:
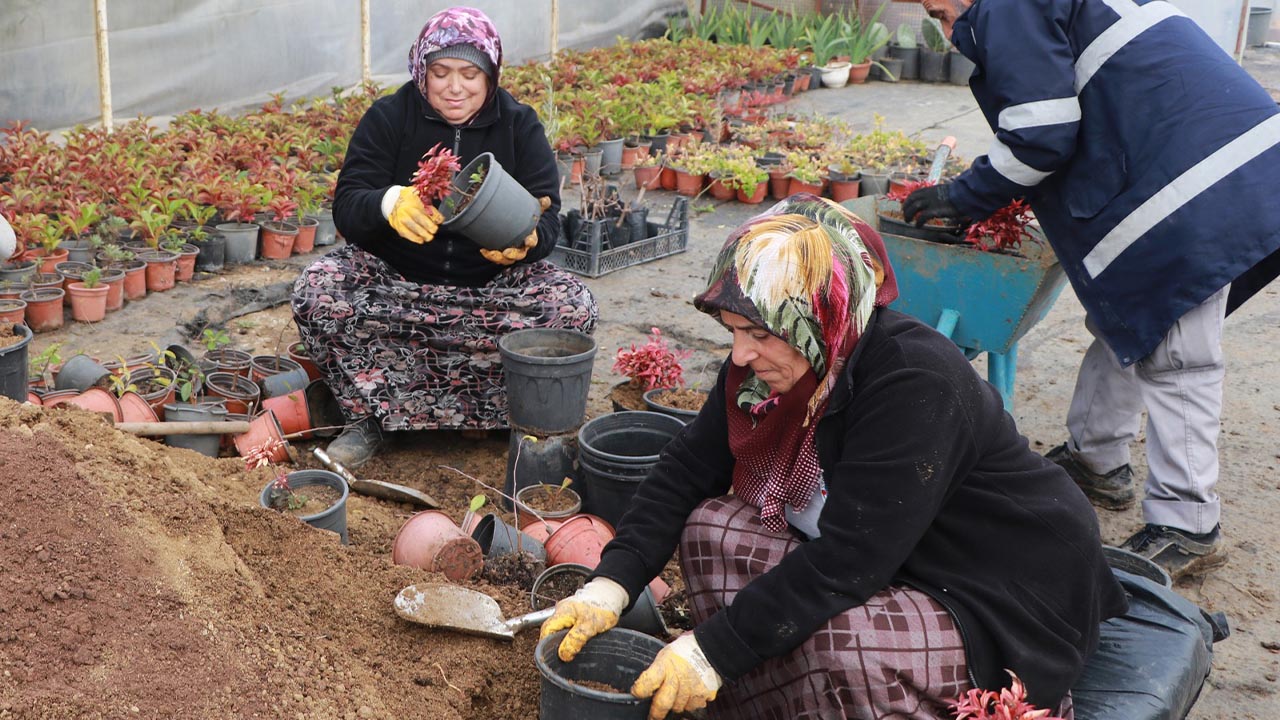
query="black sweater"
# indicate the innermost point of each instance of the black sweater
(930, 485)
(384, 151)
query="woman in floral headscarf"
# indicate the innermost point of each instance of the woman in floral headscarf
(862, 531)
(404, 320)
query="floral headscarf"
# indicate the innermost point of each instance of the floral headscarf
(804, 271)
(456, 26)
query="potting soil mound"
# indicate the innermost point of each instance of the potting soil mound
(143, 581)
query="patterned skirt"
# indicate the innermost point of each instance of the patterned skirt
(899, 655)
(425, 357)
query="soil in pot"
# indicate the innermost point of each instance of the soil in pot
(516, 569)
(627, 396)
(307, 500)
(681, 398)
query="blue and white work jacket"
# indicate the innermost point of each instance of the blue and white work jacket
(1151, 159)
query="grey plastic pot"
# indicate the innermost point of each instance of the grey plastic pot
(615, 658)
(547, 373)
(531, 461)
(80, 372)
(616, 452)
(326, 231)
(497, 538)
(13, 365)
(188, 412)
(611, 156)
(959, 68)
(651, 400)
(18, 270)
(500, 215)
(933, 65)
(242, 242)
(334, 517)
(213, 253)
(910, 57)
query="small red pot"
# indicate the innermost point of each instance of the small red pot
(845, 190)
(580, 540)
(88, 304)
(99, 400)
(688, 184)
(135, 280)
(161, 270)
(432, 541)
(648, 177)
(718, 190)
(667, 178)
(278, 239)
(754, 198)
(305, 242)
(264, 435)
(44, 308)
(135, 408)
(798, 186)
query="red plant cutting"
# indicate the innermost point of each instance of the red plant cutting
(434, 177)
(901, 193)
(654, 364)
(1008, 704)
(1004, 230)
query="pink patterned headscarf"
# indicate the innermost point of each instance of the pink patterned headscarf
(456, 26)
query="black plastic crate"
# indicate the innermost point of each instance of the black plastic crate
(590, 253)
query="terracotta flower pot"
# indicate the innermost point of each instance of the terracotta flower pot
(430, 540)
(228, 360)
(858, 73)
(629, 155)
(779, 184)
(305, 242)
(277, 240)
(134, 408)
(298, 353)
(845, 189)
(580, 540)
(113, 278)
(718, 190)
(263, 439)
(291, 411)
(13, 310)
(58, 397)
(550, 502)
(240, 393)
(263, 366)
(185, 266)
(799, 186)
(135, 280)
(44, 308)
(98, 400)
(88, 304)
(667, 178)
(33, 398)
(754, 198)
(689, 184)
(48, 261)
(161, 270)
(648, 177)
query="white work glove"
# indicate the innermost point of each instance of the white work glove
(8, 241)
(592, 610)
(679, 680)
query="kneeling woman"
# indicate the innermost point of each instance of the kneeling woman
(862, 530)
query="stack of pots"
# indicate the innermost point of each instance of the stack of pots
(616, 452)
(547, 374)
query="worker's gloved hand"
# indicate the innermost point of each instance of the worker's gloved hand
(586, 613)
(412, 220)
(679, 679)
(929, 203)
(516, 254)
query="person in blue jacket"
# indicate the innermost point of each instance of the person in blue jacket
(1149, 157)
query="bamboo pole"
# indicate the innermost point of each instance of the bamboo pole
(201, 427)
(366, 76)
(555, 28)
(104, 63)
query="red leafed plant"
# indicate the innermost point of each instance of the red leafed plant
(282, 207)
(434, 177)
(1004, 230)
(905, 189)
(654, 364)
(1008, 704)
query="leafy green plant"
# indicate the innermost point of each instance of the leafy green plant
(866, 38)
(92, 277)
(934, 38)
(42, 364)
(122, 379)
(905, 37)
(212, 339)
(827, 38)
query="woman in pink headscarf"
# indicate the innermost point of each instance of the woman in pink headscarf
(404, 320)
(862, 531)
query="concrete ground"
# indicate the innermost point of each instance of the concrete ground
(1244, 679)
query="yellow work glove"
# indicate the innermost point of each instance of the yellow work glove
(587, 613)
(679, 680)
(412, 220)
(516, 254)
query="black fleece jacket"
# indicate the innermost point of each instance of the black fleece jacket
(384, 151)
(930, 485)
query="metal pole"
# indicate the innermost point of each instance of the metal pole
(555, 28)
(1240, 34)
(104, 63)
(366, 75)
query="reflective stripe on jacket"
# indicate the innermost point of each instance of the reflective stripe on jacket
(1147, 153)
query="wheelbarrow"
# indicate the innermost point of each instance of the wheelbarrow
(983, 301)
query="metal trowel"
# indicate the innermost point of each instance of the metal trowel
(452, 607)
(376, 488)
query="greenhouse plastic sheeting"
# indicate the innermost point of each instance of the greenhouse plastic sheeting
(167, 56)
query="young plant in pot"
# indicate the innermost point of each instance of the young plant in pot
(480, 201)
(651, 366)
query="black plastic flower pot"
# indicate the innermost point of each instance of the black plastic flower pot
(547, 372)
(213, 253)
(616, 452)
(560, 581)
(499, 214)
(332, 518)
(81, 372)
(614, 658)
(497, 539)
(13, 365)
(534, 461)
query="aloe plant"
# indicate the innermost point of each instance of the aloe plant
(865, 38)
(906, 37)
(827, 38)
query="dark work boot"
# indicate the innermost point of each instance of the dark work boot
(357, 444)
(1179, 552)
(1113, 490)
